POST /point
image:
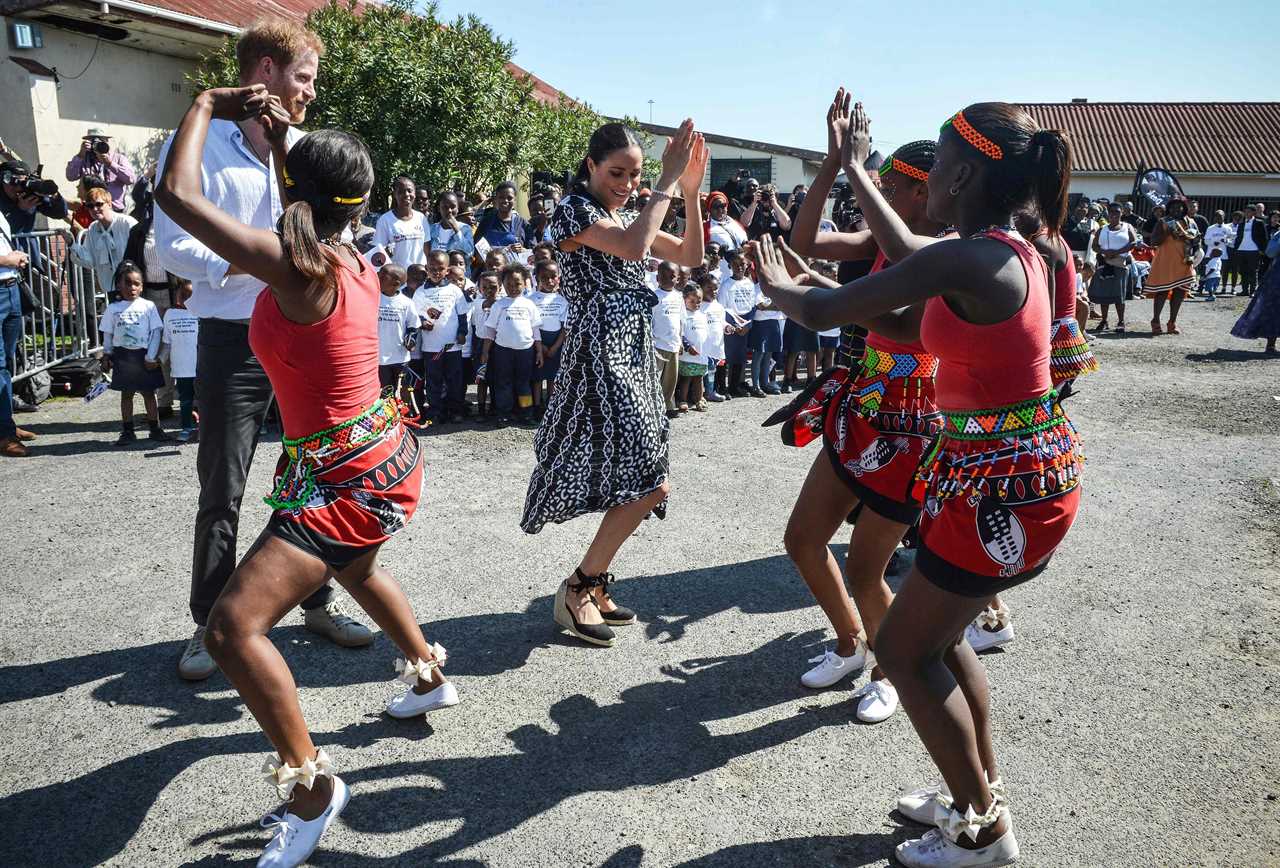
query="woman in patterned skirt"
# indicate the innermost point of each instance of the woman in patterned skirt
(602, 445)
(1172, 273)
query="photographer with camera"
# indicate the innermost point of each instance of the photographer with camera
(98, 158)
(764, 215)
(12, 264)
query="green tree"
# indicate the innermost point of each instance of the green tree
(434, 101)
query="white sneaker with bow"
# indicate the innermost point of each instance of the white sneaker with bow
(832, 667)
(877, 701)
(922, 805)
(410, 703)
(991, 629)
(294, 839)
(934, 850)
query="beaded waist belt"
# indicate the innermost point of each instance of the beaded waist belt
(315, 452)
(880, 369)
(876, 362)
(1016, 420)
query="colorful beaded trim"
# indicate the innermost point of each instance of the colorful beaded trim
(895, 165)
(306, 454)
(1017, 420)
(880, 369)
(1071, 355)
(971, 135)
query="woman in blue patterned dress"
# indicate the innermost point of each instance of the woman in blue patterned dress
(602, 445)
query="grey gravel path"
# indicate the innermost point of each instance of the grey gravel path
(1137, 714)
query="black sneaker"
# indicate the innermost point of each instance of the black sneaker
(126, 438)
(159, 435)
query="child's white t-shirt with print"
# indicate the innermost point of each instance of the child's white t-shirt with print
(130, 323)
(695, 331)
(404, 240)
(452, 303)
(553, 306)
(397, 318)
(738, 296)
(181, 335)
(1213, 266)
(667, 314)
(515, 322)
(714, 312)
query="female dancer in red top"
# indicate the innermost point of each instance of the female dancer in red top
(351, 474)
(877, 421)
(1002, 486)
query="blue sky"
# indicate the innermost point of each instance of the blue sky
(767, 69)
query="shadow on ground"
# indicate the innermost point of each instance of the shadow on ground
(665, 723)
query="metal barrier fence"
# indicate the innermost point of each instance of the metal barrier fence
(64, 324)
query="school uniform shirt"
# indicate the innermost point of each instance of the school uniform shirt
(773, 313)
(553, 307)
(181, 334)
(1218, 237)
(695, 330)
(397, 318)
(715, 314)
(132, 325)
(515, 322)
(404, 240)
(452, 303)
(738, 297)
(444, 238)
(480, 320)
(667, 314)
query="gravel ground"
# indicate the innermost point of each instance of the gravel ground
(1136, 715)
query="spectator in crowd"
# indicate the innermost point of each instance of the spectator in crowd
(443, 307)
(1218, 235)
(20, 207)
(1150, 224)
(1246, 248)
(1172, 275)
(402, 231)
(131, 335)
(553, 309)
(448, 233)
(422, 200)
(1230, 277)
(722, 230)
(481, 305)
(713, 384)
(156, 288)
(1112, 278)
(13, 262)
(1202, 223)
(764, 215)
(501, 225)
(102, 246)
(1079, 229)
(668, 314)
(1212, 273)
(738, 294)
(1127, 215)
(538, 229)
(694, 335)
(178, 349)
(98, 158)
(514, 348)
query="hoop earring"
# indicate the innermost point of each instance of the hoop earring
(954, 191)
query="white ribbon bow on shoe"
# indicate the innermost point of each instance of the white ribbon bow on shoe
(285, 777)
(410, 672)
(953, 824)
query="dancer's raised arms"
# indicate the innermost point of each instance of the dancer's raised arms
(903, 184)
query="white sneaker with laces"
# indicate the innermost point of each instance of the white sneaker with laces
(877, 701)
(333, 623)
(935, 851)
(195, 663)
(832, 667)
(991, 629)
(920, 805)
(293, 839)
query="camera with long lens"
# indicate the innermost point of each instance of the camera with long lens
(100, 146)
(33, 185)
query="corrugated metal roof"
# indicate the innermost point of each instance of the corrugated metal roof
(1235, 138)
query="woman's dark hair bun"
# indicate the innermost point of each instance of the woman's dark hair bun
(610, 137)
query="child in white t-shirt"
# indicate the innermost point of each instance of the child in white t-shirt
(486, 298)
(738, 293)
(397, 330)
(713, 384)
(178, 341)
(667, 316)
(403, 231)
(694, 335)
(515, 349)
(444, 308)
(1213, 273)
(131, 332)
(553, 307)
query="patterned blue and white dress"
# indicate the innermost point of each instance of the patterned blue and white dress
(603, 439)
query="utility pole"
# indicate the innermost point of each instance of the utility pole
(650, 111)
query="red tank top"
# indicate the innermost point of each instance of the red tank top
(880, 342)
(1064, 289)
(325, 373)
(984, 366)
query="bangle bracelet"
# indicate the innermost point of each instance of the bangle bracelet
(658, 195)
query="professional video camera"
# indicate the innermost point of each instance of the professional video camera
(31, 184)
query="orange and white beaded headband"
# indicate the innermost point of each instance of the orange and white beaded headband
(971, 135)
(896, 165)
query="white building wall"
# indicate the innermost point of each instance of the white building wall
(137, 96)
(787, 170)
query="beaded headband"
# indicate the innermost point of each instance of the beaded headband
(337, 200)
(896, 165)
(971, 135)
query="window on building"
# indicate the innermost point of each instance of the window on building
(722, 170)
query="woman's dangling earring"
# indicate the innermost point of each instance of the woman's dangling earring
(955, 190)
